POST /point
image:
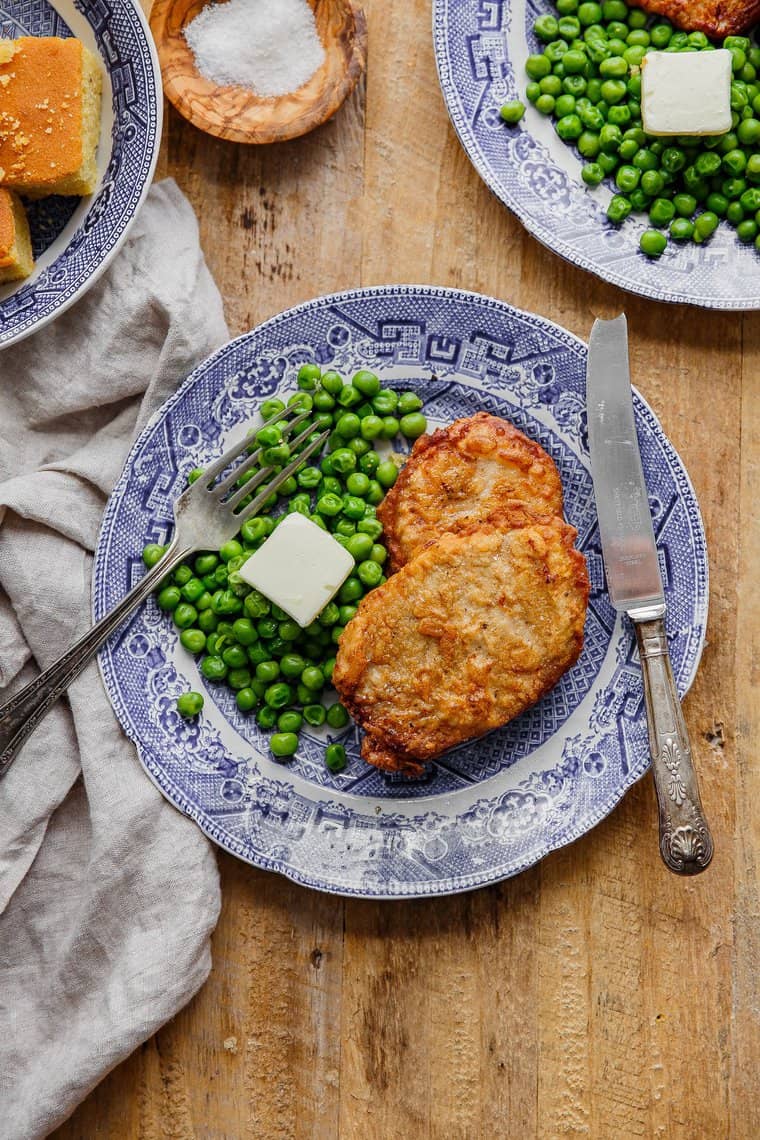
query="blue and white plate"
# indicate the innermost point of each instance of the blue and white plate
(480, 49)
(74, 239)
(487, 809)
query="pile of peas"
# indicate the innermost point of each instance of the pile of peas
(278, 670)
(588, 79)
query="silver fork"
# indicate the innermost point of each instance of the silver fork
(204, 518)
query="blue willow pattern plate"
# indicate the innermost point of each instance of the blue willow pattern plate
(480, 48)
(486, 809)
(74, 239)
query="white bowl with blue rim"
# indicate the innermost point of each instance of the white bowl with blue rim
(74, 239)
(488, 808)
(480, 50)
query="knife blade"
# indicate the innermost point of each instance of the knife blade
(625, 521)
(632, 569)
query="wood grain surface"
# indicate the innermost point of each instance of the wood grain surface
(596, 995)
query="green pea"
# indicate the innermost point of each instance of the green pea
(610, 138)
(278, 695)
(359, 546)
(661, 212)
(291, 664)
(235, 656)
(189, 704)
(271, 407)
(537, 66)
(387, 473)
(345, 527)
(685, 204)
(267, 671)
(207, 620)
(288, 630)
(512, 112)
(308, 376)
(653, 243)
(193, 640)
(645, 159)
(592, 174)
(735, 213)
(591, 117)
(747, 230)
(351, 590)
(545, 28)
(652, 182)
(329, 505)
(182, 575)
(660, 35)
(266, 717)
(565, 105)
(343, 461)
(269, 436)
(246, 699)
(569, 28)
(681, 229)
(353, 507)
(574, 62)
(620, 115)
(733, 187)
(358, 483)
(335, 758)
(301, 400)
(349, 397)
(366, 382)
(169, 598)
(545, 104)
(371, 427)
(347, 426)
(193, 590)
(618, 209)
(283, 744)
(718, 203)
(627, 178)
(359, 446)
(332, 382)
(213, 668)
(194, 475)
(705, 225)
(231, 549)
(289, 721)
(347, 614)
(153, 553)
(413, 425)
(750, 201)
(337, 717)
(753, 168)
(369, 573)
(239, 679)
(569, 128)
(314, 714)
(313, 678)
(613, 91)
(614, 67)
(532, 92)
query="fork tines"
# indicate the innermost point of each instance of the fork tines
(288, 419)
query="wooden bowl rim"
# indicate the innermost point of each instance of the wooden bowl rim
(192, 110)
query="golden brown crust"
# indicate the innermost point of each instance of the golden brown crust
(463, 638)
(16, 259)
(716, 18)
(463, 472)
(49, 116)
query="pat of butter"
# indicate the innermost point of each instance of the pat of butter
(300, 568)
(686, 93)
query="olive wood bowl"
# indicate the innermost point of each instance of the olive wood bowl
(236, 113)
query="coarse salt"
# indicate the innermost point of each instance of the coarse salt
(271, 47)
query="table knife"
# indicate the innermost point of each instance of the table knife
(635, 586)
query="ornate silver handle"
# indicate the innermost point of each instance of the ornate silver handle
(685, 841)
(23, 712)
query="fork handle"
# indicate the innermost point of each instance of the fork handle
(686, 844)
(23, 712)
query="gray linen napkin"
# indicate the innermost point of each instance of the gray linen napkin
(108, 895)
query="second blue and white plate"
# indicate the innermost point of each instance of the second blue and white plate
(487, 809)
(74, 239)
(480, 49)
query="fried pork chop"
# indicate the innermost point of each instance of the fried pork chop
(716, 18)
(461, 473)
(472, 631)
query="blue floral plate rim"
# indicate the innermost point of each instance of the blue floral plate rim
(179, 796)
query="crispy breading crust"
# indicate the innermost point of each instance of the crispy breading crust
(716, 18)
(463, 472)
(463, 638)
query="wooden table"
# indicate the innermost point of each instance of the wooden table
(596, 994)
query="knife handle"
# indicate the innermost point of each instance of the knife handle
(686, 844)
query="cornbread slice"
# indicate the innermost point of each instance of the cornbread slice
(16, 260)
(49, 116)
